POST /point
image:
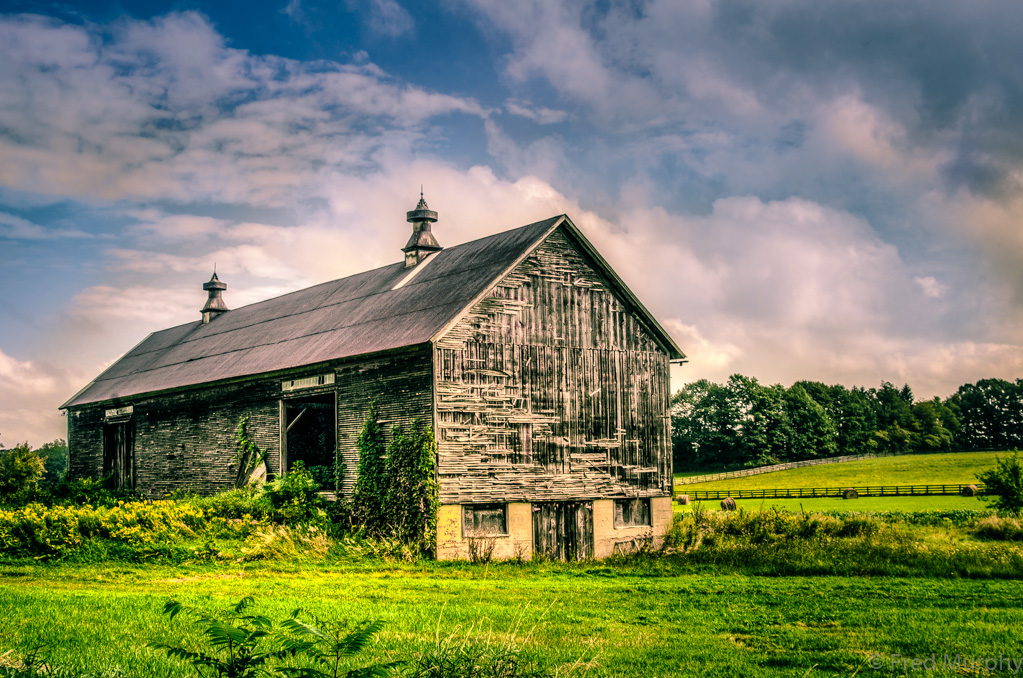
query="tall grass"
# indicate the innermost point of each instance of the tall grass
(778, 543)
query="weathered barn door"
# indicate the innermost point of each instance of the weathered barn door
(563, 530)
(119, 453)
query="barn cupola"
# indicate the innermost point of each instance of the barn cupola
(422, 243)
(215, 303)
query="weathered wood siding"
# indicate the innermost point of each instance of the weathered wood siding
(186, 440)
(85, 442)
(399, 382)
(551, 389)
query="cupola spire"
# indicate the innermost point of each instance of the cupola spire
(422, 243)
(214, 303)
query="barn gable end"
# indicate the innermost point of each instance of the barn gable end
(553, 388)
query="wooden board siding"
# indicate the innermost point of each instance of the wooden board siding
(400, 382)
(550, 388)
(186, 440)
(85, 442)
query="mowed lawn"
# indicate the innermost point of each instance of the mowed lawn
(915, 469)
(911, 469)
(615, 620)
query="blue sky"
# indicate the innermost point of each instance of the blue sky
(798, 190)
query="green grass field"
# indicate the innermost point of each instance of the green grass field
(618, 620)
(912, 469)
(738, 594)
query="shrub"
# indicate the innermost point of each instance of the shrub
(55, 461)
(128, 530)
(88, 491)
(860, 526)
(411, 502)
(371, 479)
(294, 497)
(1004, 484)
(20, 471)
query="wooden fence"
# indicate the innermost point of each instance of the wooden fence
(823, 492)
(776, 467)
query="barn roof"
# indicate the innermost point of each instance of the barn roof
(361, 314)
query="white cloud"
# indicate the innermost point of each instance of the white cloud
(157, 112)
(931, 287)
(164, 109)
(30, 393)
(538, 114)
(389, 18)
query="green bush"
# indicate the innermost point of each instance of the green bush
(20, 471)
(777, 543)
(129, 530)
(371, 478)
(412, 498)
(55, 461)
(87, 491)
(293, 496)
(1004, 484)
(396, 494)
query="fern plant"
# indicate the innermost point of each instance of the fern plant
(331, 646)
(243, 645)
(237, 641)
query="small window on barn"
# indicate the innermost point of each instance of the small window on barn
(485, 520)
(632, 513)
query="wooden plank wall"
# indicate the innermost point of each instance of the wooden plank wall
(186, 440)
(400, 384)
(551, 389)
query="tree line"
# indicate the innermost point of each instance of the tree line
(744, 423)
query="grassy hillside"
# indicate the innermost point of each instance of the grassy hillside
(914, 469)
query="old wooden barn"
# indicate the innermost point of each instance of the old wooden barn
(544, 378)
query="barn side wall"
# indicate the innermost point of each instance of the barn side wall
(552, 389)
(400, 383)
(186, 440)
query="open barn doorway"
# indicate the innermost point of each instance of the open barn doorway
(310, 436)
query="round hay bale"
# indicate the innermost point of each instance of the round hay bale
(683, 499)
(727, 504)
(969, 491)
(850, 493)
